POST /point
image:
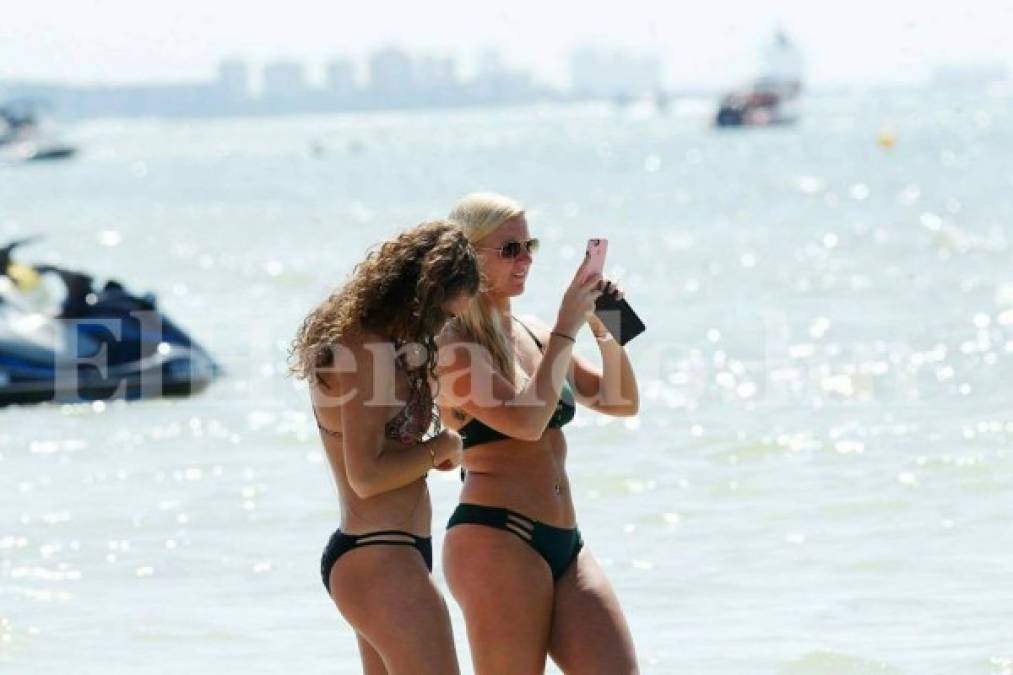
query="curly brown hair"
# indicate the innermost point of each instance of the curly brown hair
(396, 291)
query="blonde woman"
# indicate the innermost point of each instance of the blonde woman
(513, 556)
(369, 354)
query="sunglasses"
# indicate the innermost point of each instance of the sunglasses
(512, 249)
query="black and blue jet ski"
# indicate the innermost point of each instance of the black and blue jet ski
(96, 343)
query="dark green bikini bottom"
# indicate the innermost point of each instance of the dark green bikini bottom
(558, 546)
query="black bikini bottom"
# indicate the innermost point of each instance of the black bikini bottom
(341, 543)
(558, 546)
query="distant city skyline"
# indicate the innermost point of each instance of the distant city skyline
(393, 78)
(391, 70)
(121, 41)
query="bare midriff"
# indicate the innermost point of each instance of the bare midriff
(407, 508)
(525, 476)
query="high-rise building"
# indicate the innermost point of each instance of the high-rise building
(391, 71)
(284, 79)
(435, 72)
(496, 80)
(339, 77)
(234, 79)
(490, 63)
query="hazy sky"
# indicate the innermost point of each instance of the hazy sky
(702, 42)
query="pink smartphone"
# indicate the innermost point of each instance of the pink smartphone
(596, 250)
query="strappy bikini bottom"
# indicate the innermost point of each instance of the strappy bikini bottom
(557, 546)
(341, 543)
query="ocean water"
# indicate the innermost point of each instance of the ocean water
(821, 476)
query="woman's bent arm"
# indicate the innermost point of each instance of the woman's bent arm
(611, 391)
(470, 382)
(374, 463)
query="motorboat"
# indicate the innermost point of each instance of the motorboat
(97, 342)
(772, 98)
(26, 136)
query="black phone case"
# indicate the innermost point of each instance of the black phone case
(620, 319)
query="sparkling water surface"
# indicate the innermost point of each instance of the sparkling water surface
(821, 476)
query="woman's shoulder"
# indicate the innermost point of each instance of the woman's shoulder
(349, 353)
(540, 329)
(353, 357)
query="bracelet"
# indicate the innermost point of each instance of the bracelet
(563, 335)
(604, 338)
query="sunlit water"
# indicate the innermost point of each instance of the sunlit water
(821, 477)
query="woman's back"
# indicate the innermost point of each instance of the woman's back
(404, 508)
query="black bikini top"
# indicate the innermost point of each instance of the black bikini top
(476, 433)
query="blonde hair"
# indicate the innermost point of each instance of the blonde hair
(478, 215)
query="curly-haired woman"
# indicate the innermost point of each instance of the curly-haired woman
(368, 352)
(513, 556)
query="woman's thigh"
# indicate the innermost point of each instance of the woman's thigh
(589, 632)
(391, 600)
(372, 662)
(505, 591)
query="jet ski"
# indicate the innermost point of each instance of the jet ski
(25, 135)
(99, 342)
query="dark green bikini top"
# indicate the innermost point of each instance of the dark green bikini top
(475, 432)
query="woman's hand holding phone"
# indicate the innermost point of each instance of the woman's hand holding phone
(578, 300)
(613, 315)
(610, 288)
(597, 301)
